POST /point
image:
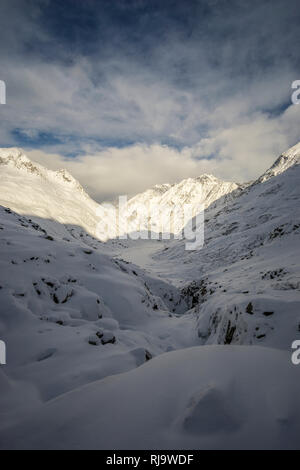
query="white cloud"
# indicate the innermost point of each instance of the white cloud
(239, 153)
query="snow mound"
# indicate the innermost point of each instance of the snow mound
(210, 397)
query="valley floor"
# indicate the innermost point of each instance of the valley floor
(146, 254)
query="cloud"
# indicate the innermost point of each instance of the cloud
(239, 154)
(140, 94)
(129, 170)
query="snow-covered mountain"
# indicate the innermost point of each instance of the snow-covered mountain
(28, 188)
(107, 340)
(245, 281)
(204, 189)
(288, 159)
(167, 203)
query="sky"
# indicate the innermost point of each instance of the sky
(126, 94)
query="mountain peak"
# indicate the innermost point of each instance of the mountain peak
(12, 152)
(293, 151)
(15, 157)
(207, 178)
(286, 160)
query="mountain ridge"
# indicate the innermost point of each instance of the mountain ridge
(61, 197)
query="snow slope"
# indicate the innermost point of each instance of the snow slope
(29, 188)
(288, 159)
(163, 353)
(245, 282)
(70, 315)
(193, 192)
(205, 188)
(199, 398)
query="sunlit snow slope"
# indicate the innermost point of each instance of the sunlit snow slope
(29, 188)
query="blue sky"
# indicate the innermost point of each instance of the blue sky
(105, 86)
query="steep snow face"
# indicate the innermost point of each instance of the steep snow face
(29, 188)
(153, 194)
(160, 210)
(288, 159)
(204, 189)
(15, 158)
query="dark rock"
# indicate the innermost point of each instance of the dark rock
(229, 333)
(148, 355)
(249, 308)
(108, 338)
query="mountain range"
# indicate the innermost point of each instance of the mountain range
(141, 343)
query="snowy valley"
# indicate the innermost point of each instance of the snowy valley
(143, 344)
